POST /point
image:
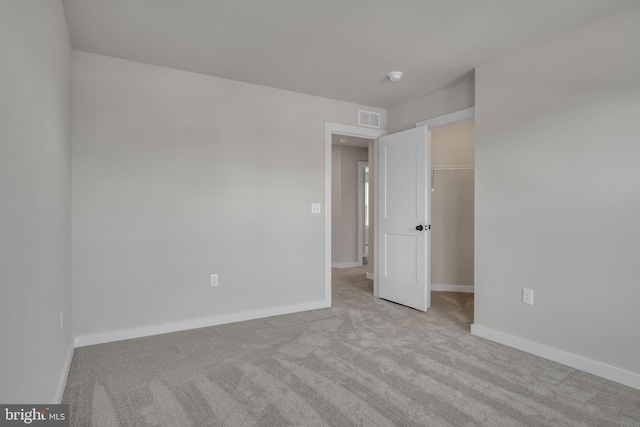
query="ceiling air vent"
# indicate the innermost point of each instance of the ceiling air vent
(369, 118)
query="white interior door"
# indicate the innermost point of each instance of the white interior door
(404, 214)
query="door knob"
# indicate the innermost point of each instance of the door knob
(419, 228)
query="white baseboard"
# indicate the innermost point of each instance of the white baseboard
(599, 369)
(371, 276)
(164, 328)
(452, 288)
(62, 382)
(346, 264)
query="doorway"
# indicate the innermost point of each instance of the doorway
(453, 198)
(452, 208)
(349, 159)
(339, 130)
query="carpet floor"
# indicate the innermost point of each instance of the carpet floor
(363, 362)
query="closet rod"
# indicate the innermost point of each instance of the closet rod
(453, 167)
(448, 168)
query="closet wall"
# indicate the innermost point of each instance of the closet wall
(452, 204)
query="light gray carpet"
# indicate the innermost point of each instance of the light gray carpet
(364, 362)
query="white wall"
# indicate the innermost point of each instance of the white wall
(178, 175)
(35, 230)
(558, 192)
(344, 215)
(452, 201)
(448, 100)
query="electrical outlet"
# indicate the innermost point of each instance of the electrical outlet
(316, 208)
(527, 296)
(214, 280)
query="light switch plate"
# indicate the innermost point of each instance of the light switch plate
(316, 208)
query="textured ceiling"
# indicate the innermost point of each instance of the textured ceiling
(340, 49)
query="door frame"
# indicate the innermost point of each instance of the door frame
(346, 130)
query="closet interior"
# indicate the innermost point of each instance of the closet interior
(452, 207)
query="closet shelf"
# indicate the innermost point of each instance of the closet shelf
(453, 167)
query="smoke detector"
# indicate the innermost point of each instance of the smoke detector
(394, 76)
